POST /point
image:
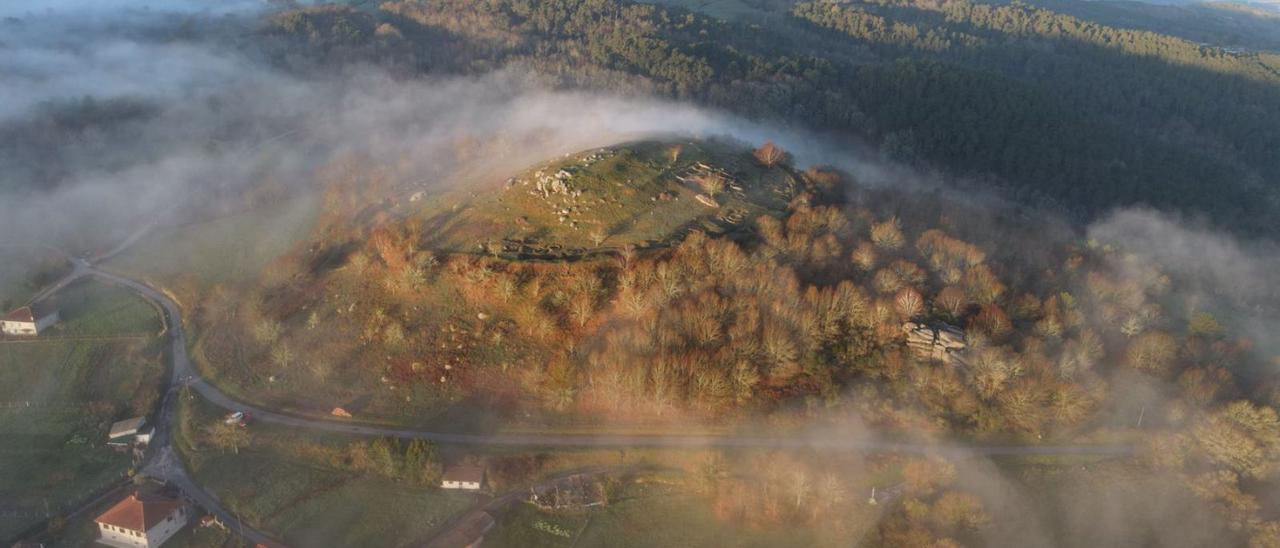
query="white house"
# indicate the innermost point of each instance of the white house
(142, 521)
(463, 476)
(28, 320)
(128, 431)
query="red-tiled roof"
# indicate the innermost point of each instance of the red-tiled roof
(139, 512)
(469, 473)
(20, 315)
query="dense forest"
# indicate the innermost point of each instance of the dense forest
(1054, 110)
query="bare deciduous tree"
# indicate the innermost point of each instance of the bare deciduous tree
(770, 155)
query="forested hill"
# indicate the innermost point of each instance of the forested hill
(1054, 109)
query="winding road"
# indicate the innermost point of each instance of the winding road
(162, 462)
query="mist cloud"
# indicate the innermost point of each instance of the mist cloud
(1216, 272)
(211, 119)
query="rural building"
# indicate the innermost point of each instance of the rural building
(126, 432)
(28, 320)
(142, 520)
(939, 341)
(463, 476)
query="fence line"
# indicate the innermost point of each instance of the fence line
(30, 404)
(62, 338)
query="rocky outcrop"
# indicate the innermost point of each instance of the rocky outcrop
(938, 341)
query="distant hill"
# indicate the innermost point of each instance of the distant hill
(1236, 25)
(1071, 106)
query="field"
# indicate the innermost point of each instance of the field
(642, 194)
(90, 308)
(221, 250)
(654, 510)
(309, 501)
(59, 397)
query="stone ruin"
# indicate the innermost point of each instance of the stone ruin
(938, 341)
(576, 492)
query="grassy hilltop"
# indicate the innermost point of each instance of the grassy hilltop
(642, 194)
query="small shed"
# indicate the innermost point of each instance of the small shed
(128, 431)
(463, 476)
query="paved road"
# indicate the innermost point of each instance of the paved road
(162, 461)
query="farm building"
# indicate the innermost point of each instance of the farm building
(28, 320)
(463, 476)
(142, 520)
(126, 432)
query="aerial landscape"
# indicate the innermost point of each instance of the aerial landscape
(644, 273)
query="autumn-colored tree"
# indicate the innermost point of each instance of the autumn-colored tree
(1243, 437)
(390, 248)
(957, 510)
(908, 302)
(770, 155)
(886, 280)
(1152, 351)
(888, 234)
(952, 301)
(924, 476)
(712, 184)
(991, 368)
(864, 256)
(982, 285)
(991, 321)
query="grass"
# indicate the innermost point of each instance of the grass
(368, 513)
(629, 194)
(658, 511)
(54, 451)
(222, 250)
(307, 501)
(91, 308)
(526, 525)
